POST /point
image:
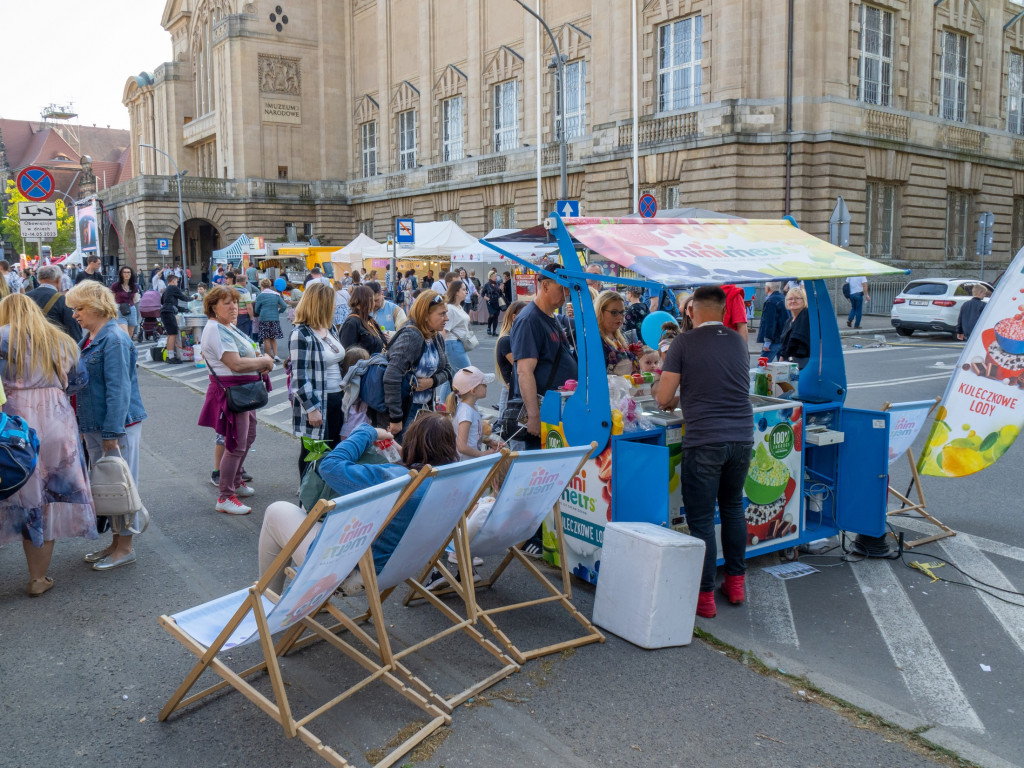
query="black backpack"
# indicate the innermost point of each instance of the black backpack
(846, 290)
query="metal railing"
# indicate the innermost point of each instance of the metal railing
(882, 293)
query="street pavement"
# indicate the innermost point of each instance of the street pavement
(86, 668)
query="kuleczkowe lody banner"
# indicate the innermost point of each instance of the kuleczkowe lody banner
(982, 409)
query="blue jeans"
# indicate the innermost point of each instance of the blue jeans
(773, 351)
(709, 473)
(856, 309)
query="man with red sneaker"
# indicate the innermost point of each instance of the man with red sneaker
(711, 363)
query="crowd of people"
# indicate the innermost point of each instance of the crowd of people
(68, 366)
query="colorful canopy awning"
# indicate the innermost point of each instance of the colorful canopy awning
(679, 252)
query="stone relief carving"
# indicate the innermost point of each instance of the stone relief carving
(279, 75)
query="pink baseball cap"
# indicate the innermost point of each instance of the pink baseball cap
(468, 379)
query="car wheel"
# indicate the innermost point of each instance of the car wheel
(905, 331)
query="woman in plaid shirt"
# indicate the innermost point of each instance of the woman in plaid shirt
(315, 353)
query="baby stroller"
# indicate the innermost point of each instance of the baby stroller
(149, 310)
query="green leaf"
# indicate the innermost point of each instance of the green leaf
(317, 449)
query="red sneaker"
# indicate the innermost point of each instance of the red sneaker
(706, 605)
(733, 589)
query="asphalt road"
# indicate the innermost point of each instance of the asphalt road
(86, 668)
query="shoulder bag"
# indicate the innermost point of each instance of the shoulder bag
(242, 397)
(514, 418)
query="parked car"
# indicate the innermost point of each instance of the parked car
(931, 304)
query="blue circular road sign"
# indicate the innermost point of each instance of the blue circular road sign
(35, 183)
(648, 206)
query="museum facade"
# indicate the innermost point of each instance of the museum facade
(336, 118)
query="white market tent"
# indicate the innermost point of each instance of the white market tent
(480, 253)
(433, 239)
(353, 253)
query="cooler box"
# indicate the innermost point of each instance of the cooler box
(650, 576)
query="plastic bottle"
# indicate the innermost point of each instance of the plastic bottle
(761, 377)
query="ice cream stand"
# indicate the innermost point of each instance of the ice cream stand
(818, 467)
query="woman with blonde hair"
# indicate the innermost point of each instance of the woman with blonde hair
(316, 354)
(39, 367)
(611, 314)
(416, 351)
(796, 334)
(503, 352)
(110, 412)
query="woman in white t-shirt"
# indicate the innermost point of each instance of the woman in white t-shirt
(235, 359)
(456, 332)
(316, 353)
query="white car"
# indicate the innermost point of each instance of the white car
(932, 304)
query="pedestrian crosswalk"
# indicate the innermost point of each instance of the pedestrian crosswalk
(924, 649)
(277, 411)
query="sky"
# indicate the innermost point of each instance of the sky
(89, 50)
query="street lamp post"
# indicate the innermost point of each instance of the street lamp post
(559, 63)
(179, 175)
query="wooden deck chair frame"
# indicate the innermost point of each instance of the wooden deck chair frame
(908, 505)
(562, 596)
(458, 623)
(280, 709)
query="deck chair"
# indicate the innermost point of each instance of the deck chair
(452, 492)
(257, 614)
(533, 484)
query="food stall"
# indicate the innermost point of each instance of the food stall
(817, 468)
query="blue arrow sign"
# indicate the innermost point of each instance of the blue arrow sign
(405, 231)
(568, 209)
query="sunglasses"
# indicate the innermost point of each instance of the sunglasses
(436, 300)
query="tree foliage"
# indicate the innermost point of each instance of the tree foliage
(10, 226)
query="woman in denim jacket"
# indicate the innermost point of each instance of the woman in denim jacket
(110, 411)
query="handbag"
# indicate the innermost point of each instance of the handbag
(470, 341)
(125, 309)
(19, 453)
(514, 418)
(242, 397)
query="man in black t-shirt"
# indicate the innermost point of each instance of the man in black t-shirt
(92, 271)
(172, 296)
(711, 363)
(541, 351)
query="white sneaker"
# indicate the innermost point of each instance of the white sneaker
(453, 559)
(244, 491)
(232, 506)
(277, 359)
(352, 585)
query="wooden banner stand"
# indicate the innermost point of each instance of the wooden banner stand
(908, 505)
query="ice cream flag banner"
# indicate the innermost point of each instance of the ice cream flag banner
(905, 425)
(982, 410)
(679, 252)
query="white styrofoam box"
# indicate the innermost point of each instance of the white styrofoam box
(647, 590)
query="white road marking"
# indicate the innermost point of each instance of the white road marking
(914, 653)
(274, 408)
(769, 607)
(966, 555)
(986, 545)
(889, 382)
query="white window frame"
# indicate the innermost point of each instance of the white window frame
(366, 228)
(953, 82)
(407, 140)
(881, 202)
(575, 100)
(679, 63)
(874, 67)
(506, 115)
(1015, 93)
(368, 147)
(452, 119)
(503, 217)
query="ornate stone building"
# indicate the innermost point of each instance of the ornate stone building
(337, 117)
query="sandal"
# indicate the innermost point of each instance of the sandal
(36, 587)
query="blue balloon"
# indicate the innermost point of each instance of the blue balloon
(650, 328)
(280, 284)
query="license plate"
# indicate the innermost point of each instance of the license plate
(919, 303)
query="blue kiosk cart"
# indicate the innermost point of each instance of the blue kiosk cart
(818, 466)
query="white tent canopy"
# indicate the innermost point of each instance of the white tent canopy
(362, 247)
(478, 252)
(433, 239)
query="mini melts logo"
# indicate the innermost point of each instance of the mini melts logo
(540, 482)
(354, 534)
